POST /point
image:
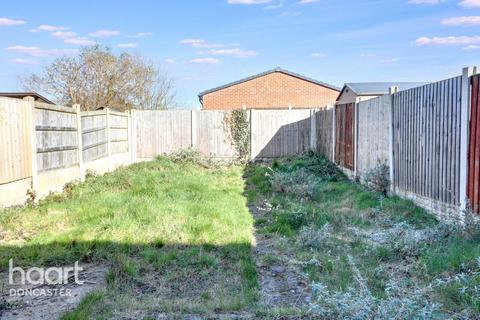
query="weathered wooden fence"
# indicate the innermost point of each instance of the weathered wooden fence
(474, 147)
(426, 132)
(279, 133)
(325, 129)
(344, 135)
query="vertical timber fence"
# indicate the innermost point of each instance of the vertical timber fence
(428, 136)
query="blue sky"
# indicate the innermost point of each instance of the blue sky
(203, 44)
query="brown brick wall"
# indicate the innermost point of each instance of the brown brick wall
(275, 90)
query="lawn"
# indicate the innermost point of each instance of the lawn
(175, 233)
(183, 236)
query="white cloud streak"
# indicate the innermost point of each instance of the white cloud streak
(24, 61)
(39, 52)
(104, 33)
(462, 21)
(200, 43)
(248, 2)
(432, 2)
(448, 41)
(48, 28)
(469, 3)
(140, 35)
(126, 45)
(205, 61)
(80, 41)
(6, 22)
(63, 34)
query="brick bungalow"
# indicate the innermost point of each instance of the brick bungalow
(273, 89)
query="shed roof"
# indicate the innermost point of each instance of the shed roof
(293, 74)
(378, 88)
(21, 95)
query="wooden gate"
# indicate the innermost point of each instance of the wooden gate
(473, 191)
(345, 126)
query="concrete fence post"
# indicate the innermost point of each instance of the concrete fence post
(313, 130)
(464, 134)
(252, 157)
(81, 167)
(355, 139)
(33, 141)
(109, 146)
(334, 132)
(391, 155)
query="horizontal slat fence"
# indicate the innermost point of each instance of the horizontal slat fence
(56, 136)
(15, 140)
(94, 135)
(426, 135)
(373, 133)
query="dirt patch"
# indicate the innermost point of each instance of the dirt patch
(44, 305)
(282, 284)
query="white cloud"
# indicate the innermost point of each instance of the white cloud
(248, 1)
(200, 43)
(80, 41)
(104, 33)
(205, 61)
(318, 55)
(453, 40)
(274, 6)
(469, 3)
(63, 34)
(462, 21)
(10, 22)
(307, 1)
(24, 61)
(169, 61)
(424, 1)
(238, 53)
(140, 35)
(471, 47)
(48, 28)
(126, 45)
(39, 52)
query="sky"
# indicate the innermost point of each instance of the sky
(204, 44)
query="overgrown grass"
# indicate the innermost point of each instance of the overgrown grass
(367, 255)
(176, 229)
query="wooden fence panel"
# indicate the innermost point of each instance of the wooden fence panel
(94, 135)
(324, 126)
(212, 134)
(373, 133)
(473, 190)
(279, 133)
(427, 140)
(56, 135)
(344, 135)
(118, 132)
(15, 140)
(162, 132)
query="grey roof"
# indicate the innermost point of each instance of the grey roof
(375, 88)
(21, 95)
(296, 75)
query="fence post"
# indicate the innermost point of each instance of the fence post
(81, 168)
(391, 163)
(251, 135)
(193, 128)
(355, 139)
(33, 141)
(467, 72)
(334, 133)
(109, 147)
(313, 130)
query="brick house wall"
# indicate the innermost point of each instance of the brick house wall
(273, 90)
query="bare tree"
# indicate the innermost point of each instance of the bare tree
(98, 78)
